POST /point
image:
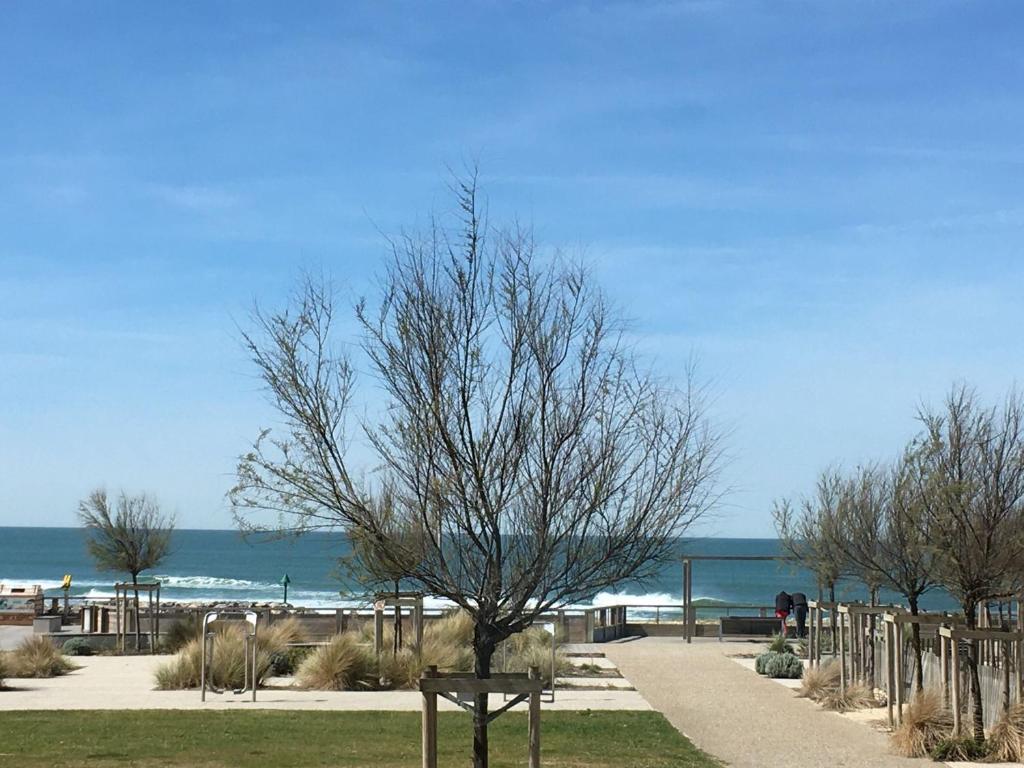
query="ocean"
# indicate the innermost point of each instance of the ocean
(224, 566)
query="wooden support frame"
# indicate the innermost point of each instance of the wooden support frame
(951, 637)
(894, 640)
(404, 600)
(816, 630)
(124, 607)
(526, 687)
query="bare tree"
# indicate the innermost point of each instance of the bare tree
(884, 537)
(808, 531)
(971, 482)
(521, 433)
(129, 534)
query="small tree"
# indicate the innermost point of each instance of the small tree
(971, 483)
(521, 433)
(809, 530)
(129, 535)
(884, 537)
(377, 568)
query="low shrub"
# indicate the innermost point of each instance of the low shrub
(36, 656)
(1006, 739)
(178, 635)
(227, 667)
(761, 662)
(926, 722)
(784, 665)
(77, 646)
(284, 663)
(959, 749)
(856, 696)
(344, 664)
(818, 681)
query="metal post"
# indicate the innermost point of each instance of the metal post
(255, 681)
(690, 612)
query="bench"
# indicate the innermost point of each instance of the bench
(748, 626)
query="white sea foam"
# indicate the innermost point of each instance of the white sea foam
(210, 582)
(206, 589)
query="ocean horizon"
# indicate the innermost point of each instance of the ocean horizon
(207, 565)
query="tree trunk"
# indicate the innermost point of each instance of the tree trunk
(915, 644)
(138, 628)
(977, 714)
(483, 649)
(832, 616)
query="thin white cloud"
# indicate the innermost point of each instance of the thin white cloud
(199, 198)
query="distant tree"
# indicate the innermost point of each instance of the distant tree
(808, 530)
(128, 534)
(521, 433)
(971, 483)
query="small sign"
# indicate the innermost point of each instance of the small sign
(66, 583)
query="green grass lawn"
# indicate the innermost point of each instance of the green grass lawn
(289, 739)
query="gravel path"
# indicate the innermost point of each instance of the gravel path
(744, 719)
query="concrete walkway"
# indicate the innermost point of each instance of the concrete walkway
(744, 719)
(126, 682)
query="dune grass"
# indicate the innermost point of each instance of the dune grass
(344, 664)
(819, 681)
(228, 665)
(926, 722)
(265, 739)
(36, 656)
(1006, 739)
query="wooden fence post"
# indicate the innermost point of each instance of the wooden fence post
(890, 671)
(534, 722)
(898, 666)
(955, 675)
(842, 650)
(944, 664)
(430, 723)
(378, 629)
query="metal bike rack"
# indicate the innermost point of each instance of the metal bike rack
(249, 617)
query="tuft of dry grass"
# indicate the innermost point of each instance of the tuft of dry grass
(447, 644)
(819, 681)
(926, 722)
(36, 656)
(344, 664)
(3, 669)
(1006, 739)
(856, 696)
(227, 667)
(532, 648)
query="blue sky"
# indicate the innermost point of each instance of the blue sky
(821, 201)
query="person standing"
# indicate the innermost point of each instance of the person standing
(799, 600)
(783, 606)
